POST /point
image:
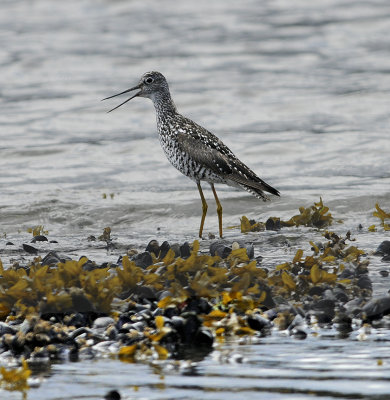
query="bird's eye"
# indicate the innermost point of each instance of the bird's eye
(149, 80)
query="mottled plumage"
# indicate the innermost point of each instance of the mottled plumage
(193, 150)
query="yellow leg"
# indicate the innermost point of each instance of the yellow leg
(219, 209)
(204, 209)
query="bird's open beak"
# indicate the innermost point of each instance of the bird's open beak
(126, 91)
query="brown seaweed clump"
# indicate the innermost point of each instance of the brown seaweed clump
(383, 216)
(15, 379)
(171, 301)
(317, 216)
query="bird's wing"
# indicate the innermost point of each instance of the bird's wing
(202, 135)
(204, 154)
(207, 149)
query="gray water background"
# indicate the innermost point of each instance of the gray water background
(299, 90)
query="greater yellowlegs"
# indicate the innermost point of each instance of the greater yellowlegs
(193, 150)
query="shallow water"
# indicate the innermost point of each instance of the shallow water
(298, 90)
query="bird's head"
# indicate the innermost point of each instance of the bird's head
(151, 85)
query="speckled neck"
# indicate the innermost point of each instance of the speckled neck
(164, 105)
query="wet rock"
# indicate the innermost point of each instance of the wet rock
(376, 308)
(164, 293)
(145, 315)
(123, 319)
(297, 328)
(139, 326)
(220, 248)
(316, 291)
(52, 258)
(386, 258)
(342, 322)
(112, 395)
(102, 322)
(297, 321)
(299, 333)
(90, 265)
(354, 306)
(73, 354)
(40, 355)
(340, 295)
(250, 251)
(271, 314)
(177, 323)
(153, 247)
(163, 250)
(143, 260)
(269, 301)
(145, 293)
(39, 238)
(273, 224)
(111, 333)
(199, 305)
(257, 322)
(323, 310)
(204, 337)
(77, 320)
(79, 331)
(383, 249)
(319, 245)
(259, 259)
(171, 311)
(384, 273)
(329, 295)
(14, 343)
(364, 282)
(5, 328)
(87, 353)
(185, 250)
(30, 249)
(348, 273)
(191, 326)
(176, 248)
(9, 244)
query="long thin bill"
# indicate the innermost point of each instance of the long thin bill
(126, 91)
(132, 97)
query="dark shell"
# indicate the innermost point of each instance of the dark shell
(30, 249)
(220, 248)
(163, 250)
(273, 224)
(257, 322)
(185, 250)
(143, 260)
(39, 238)
(383, 249)
(153, 247)
(376, 308)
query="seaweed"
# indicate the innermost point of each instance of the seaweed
(38, 230)
(383, 216)
(185, 297)
(15, 379)
(317, 216)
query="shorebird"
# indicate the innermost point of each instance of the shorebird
(193, 150)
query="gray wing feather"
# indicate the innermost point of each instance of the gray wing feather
(203, 154)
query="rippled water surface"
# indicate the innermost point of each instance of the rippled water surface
(299, 90)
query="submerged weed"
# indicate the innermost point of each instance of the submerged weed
(383, 216)
(38, 230)
(15, 379)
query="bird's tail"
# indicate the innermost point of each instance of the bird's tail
(256, 187)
